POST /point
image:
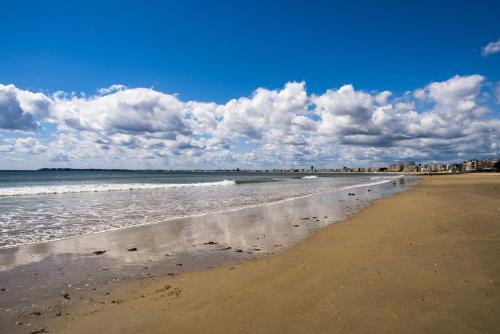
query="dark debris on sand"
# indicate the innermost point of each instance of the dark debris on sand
(40, 330)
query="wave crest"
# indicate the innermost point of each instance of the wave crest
(85, 188)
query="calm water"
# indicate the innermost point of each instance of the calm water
(39, 206)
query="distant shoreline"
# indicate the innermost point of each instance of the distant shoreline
(264, 171)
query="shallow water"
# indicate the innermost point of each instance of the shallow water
(38, 206)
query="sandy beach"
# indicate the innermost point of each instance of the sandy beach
(425, 260)
(259, 167)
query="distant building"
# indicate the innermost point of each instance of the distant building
(491, 165)
(471, 166)
(409, 166)
(396, 168)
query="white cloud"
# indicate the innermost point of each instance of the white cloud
(267, 114)
(18, 108)
(139, 110)
(491, 48)
(145, 128)
(456, 95)
(6, 148)
(28, 145)
(419, 94)
(111, 89)
(383, 97)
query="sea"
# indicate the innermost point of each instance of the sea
(45, 205)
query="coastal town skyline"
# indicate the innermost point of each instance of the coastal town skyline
(469, 166)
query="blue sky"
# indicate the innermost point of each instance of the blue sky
(215, 52)
(218, 51)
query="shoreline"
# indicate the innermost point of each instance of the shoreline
(413, 262)
(35, 277)
(166, 220)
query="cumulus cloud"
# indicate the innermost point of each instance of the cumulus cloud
(131, 111)
(18, 108)
(491, 48)
(457, 95)
(266, 115)
(29, 145)
(345, 113)
(145, 128)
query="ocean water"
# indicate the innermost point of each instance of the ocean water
(38, 206)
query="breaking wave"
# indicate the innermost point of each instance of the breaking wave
(86, 188)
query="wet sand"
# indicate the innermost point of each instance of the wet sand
(425, 260)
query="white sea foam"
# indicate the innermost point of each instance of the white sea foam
(84, 188)
(310, 177)
(382, 181)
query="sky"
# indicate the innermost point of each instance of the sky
(260, 84)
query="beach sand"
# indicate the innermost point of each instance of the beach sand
(426, 260)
